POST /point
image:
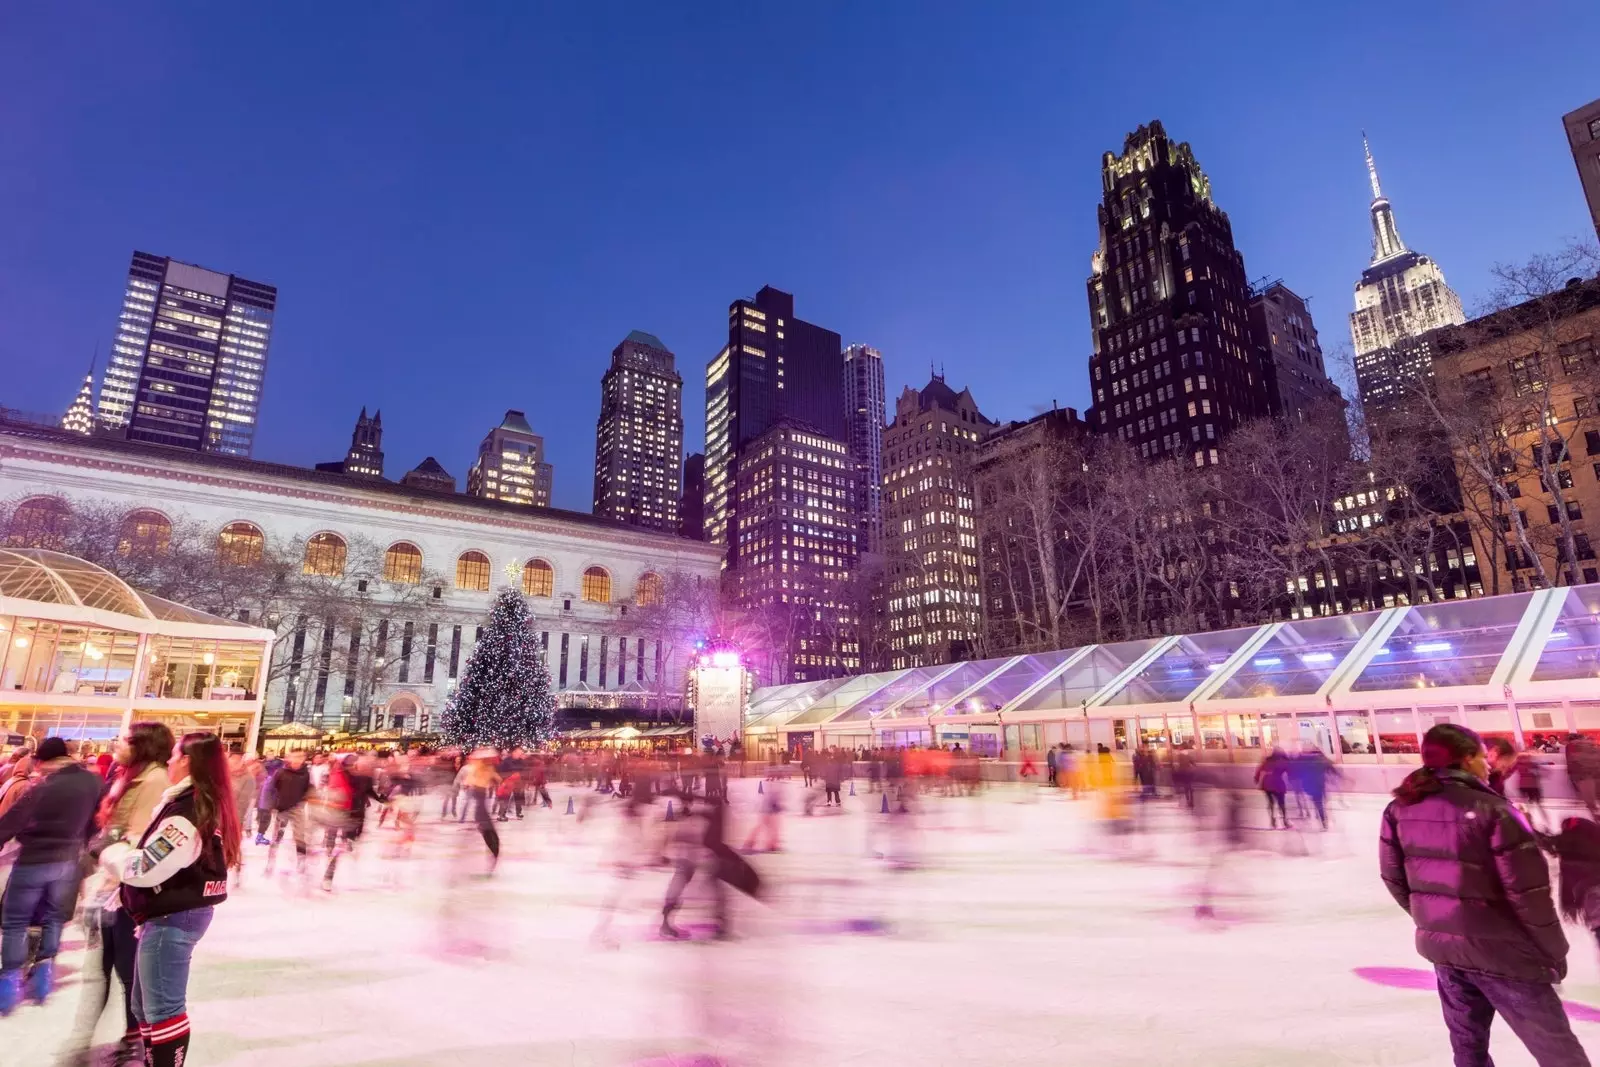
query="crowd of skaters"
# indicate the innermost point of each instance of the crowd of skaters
(143, 842)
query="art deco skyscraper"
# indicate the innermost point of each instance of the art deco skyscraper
(930, 531)
(1175, 366)
(773, 366)
(80, 416)
(1401, 296)
(863, 412)
(189, 357)
(638, 443)
(510, 465)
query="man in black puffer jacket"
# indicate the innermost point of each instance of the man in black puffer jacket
(1467, 869)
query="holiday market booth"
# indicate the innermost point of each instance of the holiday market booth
(1363, 688)
(289, 736)
(82, 654)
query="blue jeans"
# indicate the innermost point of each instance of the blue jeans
(39, 892)
(1532, 1009)
(161, 969)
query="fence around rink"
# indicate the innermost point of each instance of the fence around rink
(1363, 688)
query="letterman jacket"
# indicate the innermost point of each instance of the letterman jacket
(172, 869)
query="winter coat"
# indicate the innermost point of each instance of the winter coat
(173, 868)
(1577, 847)
(289, 787)
(1272, 774)
(1461, 861)
(54, 819)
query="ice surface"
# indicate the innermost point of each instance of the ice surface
(1020, 937)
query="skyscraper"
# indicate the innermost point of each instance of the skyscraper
(1281, 322)
(930, 532)
(795, 531)
(366, 448)
(1175, 366)
(80, 416)
(638, 443)
(863, 412)
(189, 357)
(1401, 295)
(510, 464)
(773, 366)
(1583, 134)
(692, 506)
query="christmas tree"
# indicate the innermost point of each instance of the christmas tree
(504, 698)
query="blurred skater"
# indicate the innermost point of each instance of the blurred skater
(481, 780)
(1577, 847)
(1272, 778)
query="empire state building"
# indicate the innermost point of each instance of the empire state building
(1401, 296)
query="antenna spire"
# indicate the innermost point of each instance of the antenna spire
(1372, 168)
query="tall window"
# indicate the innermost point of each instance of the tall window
(650, 589)
(241, 544)
(538, 578)
(325, 554)
(597, 585)
(144, 532)
(39, 522)
(403, 563)
(472, 571)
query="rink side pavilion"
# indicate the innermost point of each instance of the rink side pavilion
(82, 654)
(1361, 687)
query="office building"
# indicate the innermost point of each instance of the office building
(1280, 320)
(80, 416)
(1583, 134)
(429, 475)
(774, 366)
(931, 586)
(638, 443)
(510, 465)
(692, 506)
(365, 456)
(189, 357)
(864, 414)
(793, 532)
(1401, 296)
(1174, 366)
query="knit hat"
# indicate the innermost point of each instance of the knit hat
(51, 748)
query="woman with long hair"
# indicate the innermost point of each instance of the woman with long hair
(1467, 868)
(171, 882)
(137, 783)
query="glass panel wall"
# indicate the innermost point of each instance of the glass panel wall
(1455, 642)
(1573, 648)
(906, 686)
(961, 679)
(1068, 690)
(1181, 669)
(185, 668)
(1298, 659)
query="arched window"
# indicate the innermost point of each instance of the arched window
(325, 554)
(39, 522)
(650, 589)
(597, 585)
(241, 544)
(144, 532)
(403, 563)
(472, 571)
(538, 578)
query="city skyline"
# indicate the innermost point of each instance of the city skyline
(989, 292)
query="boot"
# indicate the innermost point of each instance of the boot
(41, 981)
(10, 992)
(169, 1042)
(130, 1051)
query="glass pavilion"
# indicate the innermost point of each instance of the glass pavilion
(82, 654)
(1362, 687)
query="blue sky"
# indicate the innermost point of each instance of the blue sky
(465, 207)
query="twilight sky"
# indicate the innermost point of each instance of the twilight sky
(466, 206)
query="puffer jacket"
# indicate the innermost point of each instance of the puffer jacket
(1469, 871)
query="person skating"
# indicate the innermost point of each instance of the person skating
(480, 782)
(1272, 778)
(172, 880)
(1467, 868)
(1577, 846)
(269, 769)
(287, 793)
(1583, 769)
(1311, 770)
(51, 823)
(141, 758)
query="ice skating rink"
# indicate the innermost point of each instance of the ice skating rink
(1017, 936)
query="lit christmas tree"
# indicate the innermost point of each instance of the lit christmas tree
(504, 698)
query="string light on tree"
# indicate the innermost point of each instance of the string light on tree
(504, 698)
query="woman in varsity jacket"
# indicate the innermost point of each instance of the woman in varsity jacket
(171, 881)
